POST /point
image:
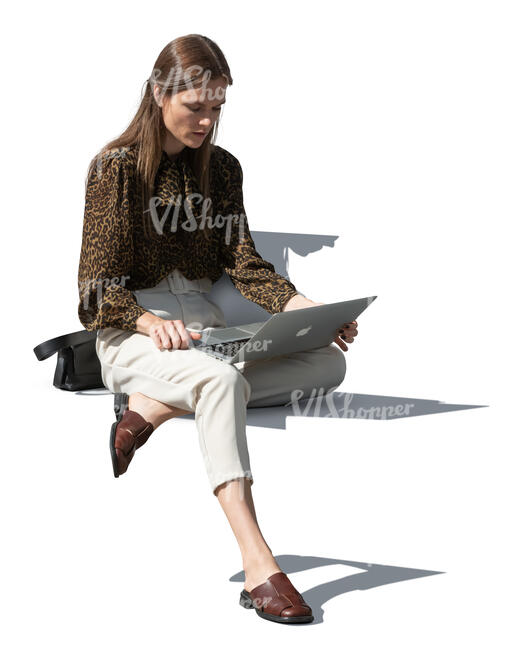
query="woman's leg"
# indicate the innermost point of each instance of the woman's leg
(190, 381)
(257, 559)
(235, 498)
(153, 410)
(272, 382)
(296, 376)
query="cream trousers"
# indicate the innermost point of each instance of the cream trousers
(217, 393)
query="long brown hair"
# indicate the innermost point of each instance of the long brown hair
(183, 54)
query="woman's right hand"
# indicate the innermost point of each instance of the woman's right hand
(167, 334)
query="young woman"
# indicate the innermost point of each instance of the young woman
(159, 229)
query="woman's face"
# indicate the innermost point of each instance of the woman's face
(190, 114)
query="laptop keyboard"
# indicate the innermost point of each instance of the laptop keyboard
(228, 349)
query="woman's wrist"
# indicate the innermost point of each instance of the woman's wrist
(298, 301)
(145, 321)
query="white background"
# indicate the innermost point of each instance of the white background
(390, 125)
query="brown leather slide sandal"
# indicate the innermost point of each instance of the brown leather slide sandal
(277, 600)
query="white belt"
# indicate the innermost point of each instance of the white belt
(176, 282)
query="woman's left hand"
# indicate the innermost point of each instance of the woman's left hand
(347, 332)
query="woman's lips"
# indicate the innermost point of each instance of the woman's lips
(198, 133)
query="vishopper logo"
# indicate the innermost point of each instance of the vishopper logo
(343, 411)
(259, 602)
(86, 287)
(190, 224)
(105, 156)
(253, 346)
(206, 333)
(179, 79)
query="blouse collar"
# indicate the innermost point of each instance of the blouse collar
(175, 182)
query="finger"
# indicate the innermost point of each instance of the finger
(346, 332)
(341, 344)
(157, 336)
(170, 327)
(195, 335)
(184, 335)
(348, 327)
(156, 340)
(164, 338)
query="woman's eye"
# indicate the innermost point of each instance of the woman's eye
(195, 110)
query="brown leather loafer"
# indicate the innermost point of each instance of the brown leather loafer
(128, 433)
(277, 600)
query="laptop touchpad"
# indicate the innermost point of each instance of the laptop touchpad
(229, 334)
(251, 328)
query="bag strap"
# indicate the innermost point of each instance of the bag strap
(47, 348)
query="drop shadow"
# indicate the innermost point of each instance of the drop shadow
(371, 576)
(274, 247)
(343, 405)
(337, 405)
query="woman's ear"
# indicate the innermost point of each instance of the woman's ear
(157, 95)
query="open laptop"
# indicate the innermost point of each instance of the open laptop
(283, 333)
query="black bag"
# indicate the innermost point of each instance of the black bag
(78, 366)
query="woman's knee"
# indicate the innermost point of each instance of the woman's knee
(332, 365)
(228, 377)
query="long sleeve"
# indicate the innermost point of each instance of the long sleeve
(254, 277)
(107, 250)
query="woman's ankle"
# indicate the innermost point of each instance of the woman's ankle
(257, 573)
(253, 562)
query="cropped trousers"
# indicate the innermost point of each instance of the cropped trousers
(217, 392)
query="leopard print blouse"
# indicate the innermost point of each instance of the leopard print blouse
(117, 258)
